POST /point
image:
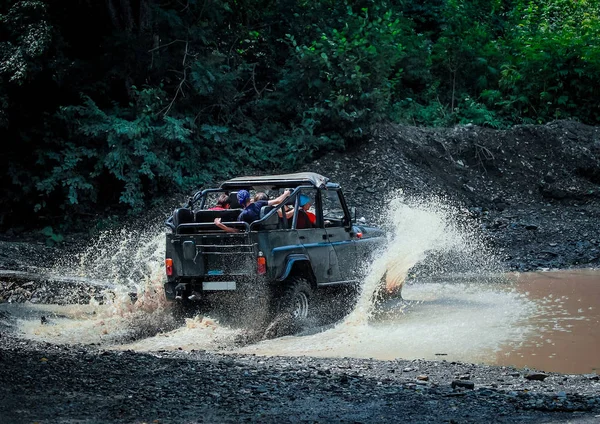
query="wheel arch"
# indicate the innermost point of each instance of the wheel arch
(299, 265)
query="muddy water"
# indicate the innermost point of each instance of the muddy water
(547, 320)
(567, 326)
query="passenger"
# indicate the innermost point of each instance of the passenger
(222, 203)
(252, 208)
(306, 219)
(305, 203)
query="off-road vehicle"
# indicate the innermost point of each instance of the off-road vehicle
(275, 266)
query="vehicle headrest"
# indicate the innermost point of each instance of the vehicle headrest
(233, 201)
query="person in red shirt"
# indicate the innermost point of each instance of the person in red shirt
(222, 203)
(306, 219)
(305, 204)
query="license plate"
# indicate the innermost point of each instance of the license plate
(218, 285)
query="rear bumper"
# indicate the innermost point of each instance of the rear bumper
(199, 288)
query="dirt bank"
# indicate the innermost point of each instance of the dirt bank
(534, 190)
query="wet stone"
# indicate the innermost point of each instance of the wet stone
(536, 376)
(463, 384)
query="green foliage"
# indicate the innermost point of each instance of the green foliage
(551, 62)
(347, 76)
(227, 88)
(27, 37)
(466, 111)
(136, 147)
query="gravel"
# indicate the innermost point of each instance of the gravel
(48, 383)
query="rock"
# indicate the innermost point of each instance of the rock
(465, 377)
(464, 384)
(423, 377)
(536, 376)
(531, 227)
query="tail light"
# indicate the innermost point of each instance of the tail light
(261, 264)
(169, 266)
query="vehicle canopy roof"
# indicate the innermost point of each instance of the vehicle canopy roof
(277, 181)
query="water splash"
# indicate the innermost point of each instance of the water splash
(132, 306)
(427, 233)
(457, 303)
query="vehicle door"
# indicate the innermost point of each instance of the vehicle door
(336, 221)
(315, 240)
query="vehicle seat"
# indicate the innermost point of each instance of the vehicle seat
(233, 201)
(228, 215)
(273, 222)
(183, 216)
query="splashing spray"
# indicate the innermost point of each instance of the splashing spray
(130, 263)
(424, 232)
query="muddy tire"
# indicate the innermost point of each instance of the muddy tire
(382, 294)
(294, 310)
(297, 300)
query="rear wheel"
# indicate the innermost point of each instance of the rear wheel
(296, 300)
(294, 310)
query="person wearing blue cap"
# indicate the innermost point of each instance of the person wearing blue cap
(306, 219)
(252, 209)
(305, 204)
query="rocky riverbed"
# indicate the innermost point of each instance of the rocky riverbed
(532, 191)
(48, 383)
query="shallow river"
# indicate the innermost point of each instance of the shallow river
(566, 336)
(465, 310)
(545, 320)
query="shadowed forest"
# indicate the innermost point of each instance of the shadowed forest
(107, 107)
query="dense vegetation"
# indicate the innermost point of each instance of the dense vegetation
(108, 105)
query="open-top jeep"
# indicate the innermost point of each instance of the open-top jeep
(278, 265)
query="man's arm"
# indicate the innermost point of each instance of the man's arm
(279, 199)
(224, 227)
(289, 213)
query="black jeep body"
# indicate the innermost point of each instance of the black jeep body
(280, 260)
